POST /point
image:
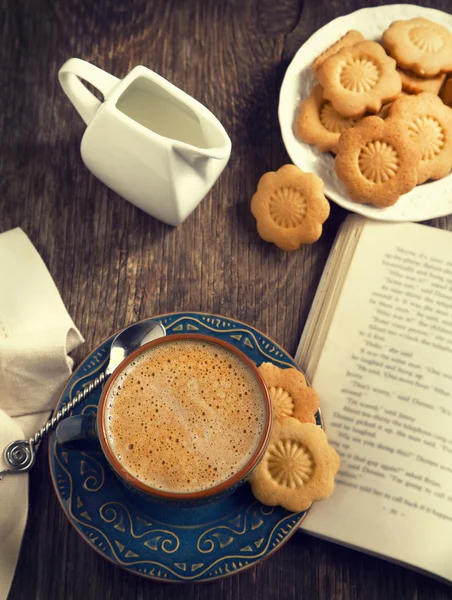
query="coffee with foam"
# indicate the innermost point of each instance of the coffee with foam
(185, 416)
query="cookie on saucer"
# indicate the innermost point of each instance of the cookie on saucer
(298, 467)
(289, 393)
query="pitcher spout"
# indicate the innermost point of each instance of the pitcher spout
(195, 156)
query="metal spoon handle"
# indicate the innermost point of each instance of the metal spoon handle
(61, 414)
(20, 455)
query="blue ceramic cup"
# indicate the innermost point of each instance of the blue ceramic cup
(88, 432)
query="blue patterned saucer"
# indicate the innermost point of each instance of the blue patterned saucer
(188, 544)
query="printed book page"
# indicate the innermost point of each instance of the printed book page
(384, 379)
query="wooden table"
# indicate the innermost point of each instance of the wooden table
(113, 264)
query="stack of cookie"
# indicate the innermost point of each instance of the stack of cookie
(299, 466)
(384, 109)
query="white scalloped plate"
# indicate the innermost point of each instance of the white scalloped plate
(427, 201)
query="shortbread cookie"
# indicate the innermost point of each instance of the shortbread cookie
(413, 84)
(298, 467)
(318, 122)
(351, 38)
(359, 79)
(289, 393)
(419, 45)
(377, 161)
(290, 207)
(446, 92)
(429, 124)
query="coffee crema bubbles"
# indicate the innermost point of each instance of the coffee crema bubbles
(185, 416)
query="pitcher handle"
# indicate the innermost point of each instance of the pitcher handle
(83, 100)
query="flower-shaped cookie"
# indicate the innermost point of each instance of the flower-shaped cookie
(298, 467)
(429, 124)
(351, 38)
(289, 393)
(289, 207)
(419, 45)
(359, 79)
(413, 84)
(377, 161)
(318, 122)
(446, 92)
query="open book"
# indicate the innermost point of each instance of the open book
(377, 347)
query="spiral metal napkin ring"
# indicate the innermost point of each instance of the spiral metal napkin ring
(20, 455)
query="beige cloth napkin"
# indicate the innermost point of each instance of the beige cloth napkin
(36, 335)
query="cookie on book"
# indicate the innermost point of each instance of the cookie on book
(413, 84)
(319, 124)
(359, 79)
(419, 45)
(429, 124)
(377, 161)
(290, 207)
(298, 467)
(446, 92)
(289, 393)
(351, 38)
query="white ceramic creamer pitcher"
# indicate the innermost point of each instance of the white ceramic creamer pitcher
(148, 141)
